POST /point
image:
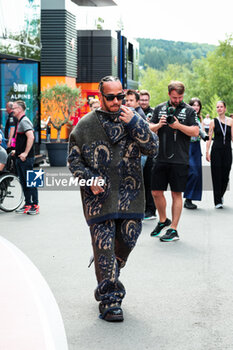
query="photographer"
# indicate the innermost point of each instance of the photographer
(175, 122)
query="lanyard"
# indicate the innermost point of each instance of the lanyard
(225, 129)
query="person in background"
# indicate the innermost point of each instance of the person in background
(36, 126)
(94, 104)
(24, 153)
(10, 127)
(175, 122)
(106, 145)
(132, 101)
(150, 209)
(46, 125)
(206, 123)
(220, 157)
(193, 190)
(144, 101)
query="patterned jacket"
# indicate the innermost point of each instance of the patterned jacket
(102, 145)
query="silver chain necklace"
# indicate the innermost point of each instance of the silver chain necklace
(225, 129)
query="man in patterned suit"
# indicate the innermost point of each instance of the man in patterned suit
(106, 146)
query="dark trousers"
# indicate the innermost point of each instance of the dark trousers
(112, 242)
(193, 188)
(30, 193)
(147, 171)
(221, 160)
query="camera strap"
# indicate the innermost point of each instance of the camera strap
(175, 112)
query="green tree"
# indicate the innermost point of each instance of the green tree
(156, 81)
(221, 63)
(159, 54)
(214, 74)
(209, 78)
(60, 102)
(210, 108)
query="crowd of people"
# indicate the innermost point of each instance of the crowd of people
(131, 145)
(135, 153)
(139, 101)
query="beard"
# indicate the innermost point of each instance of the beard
(112, 109)
(175, 104)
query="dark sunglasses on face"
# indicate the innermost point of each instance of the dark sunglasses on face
(111, 97)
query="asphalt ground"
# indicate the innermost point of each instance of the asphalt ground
(179, 294)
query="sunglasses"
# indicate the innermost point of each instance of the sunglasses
(111, 97)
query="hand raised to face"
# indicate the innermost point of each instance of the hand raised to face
(126, 114)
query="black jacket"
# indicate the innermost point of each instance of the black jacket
(174, 144)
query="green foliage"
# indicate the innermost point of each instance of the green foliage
(60, 102)
(99, 23)
(210, 108)
(156, 81)
(23, 45)
(209, 78)
(158, 54)
(214, 75)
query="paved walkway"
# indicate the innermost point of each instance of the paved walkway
(179, 294)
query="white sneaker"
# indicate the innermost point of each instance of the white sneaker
(219, 206)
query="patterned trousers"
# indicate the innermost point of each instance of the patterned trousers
(112, 242)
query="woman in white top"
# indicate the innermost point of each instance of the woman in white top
(206, 123)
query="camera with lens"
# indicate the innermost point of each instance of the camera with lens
(170, 115)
